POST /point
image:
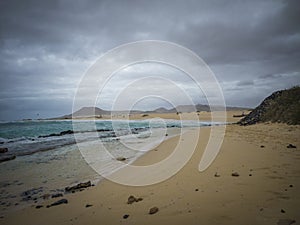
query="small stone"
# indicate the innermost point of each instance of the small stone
(57, 195)
(3, 150)
(291, 146)
(131, 199)
(262, 146)
(217, 175)
(88, 205)
(153, 210)
(125, 216)
(282, 211)
(39, 206)
(59, 202)
(291, 185)
(45, 196)
(121, 158)
(250, 175)
(235, 174)
(196, 189)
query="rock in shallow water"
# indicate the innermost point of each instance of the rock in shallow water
(7, 158)
(121, 159)
(3, 150)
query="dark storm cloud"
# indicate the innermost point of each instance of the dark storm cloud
(46, 46)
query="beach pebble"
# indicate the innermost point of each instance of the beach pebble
(132, 199)
(153, 210)
(79, 187)
(291, 146)
(125, 216)
(285, 222)
(217, 175)
(235, 174)
(121, 158)
(57, 195)
(59, 202)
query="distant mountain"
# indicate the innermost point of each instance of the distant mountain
(97, 112)
(86, 112)
(281, 106)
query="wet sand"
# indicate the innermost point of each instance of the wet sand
(265, 191)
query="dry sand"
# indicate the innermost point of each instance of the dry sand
(202, 116)
(266, 190)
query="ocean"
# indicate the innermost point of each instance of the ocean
(48, 158)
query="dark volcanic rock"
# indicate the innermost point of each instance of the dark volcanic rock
(57, 134)
(153, 210)
(132, 199)
(31, 194)
(217, 175)
(291, 146)
(3, 150)
(281, 106)
(57, 195)
(121, 158)
(125, 216)
(59, 202)
(7, 158)
(235, 174)
(79, 186)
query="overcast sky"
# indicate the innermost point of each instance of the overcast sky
(253, 47)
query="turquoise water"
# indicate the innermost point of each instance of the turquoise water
(48, 158)
(28, 137)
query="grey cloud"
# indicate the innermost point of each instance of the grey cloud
(245, 83)
(46, 46)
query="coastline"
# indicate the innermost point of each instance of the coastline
(193, 197)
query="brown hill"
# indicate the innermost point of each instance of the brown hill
(281, 106)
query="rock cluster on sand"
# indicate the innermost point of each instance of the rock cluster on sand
(132, 199)
(79, 186)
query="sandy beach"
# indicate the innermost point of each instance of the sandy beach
(265, 190)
